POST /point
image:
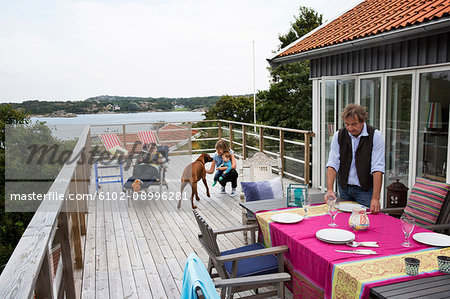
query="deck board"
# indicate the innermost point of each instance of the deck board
(138, 249)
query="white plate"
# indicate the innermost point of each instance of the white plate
(331, 242)
(433, 239)
(335, 235)
(348, 206)
(287, 218)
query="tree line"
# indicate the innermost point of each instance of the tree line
(114, 104)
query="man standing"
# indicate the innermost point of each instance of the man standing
(357, 157)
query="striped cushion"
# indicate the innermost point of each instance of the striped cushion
(425, 201)
(147, 137)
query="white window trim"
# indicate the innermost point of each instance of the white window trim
(415, 72)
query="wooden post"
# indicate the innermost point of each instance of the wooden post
(88, 148)
(307, 137)
(124, 134)
(230, 126)
(79, 172)
(261, 140)
(219, 129)
(63, 236)
(76, 234)
(190, 137)
(43, 287)
(282, 152)
(244, 143)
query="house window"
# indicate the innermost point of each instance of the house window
(370, 98)
(398, 117)
(432, 131)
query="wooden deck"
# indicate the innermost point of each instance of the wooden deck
(139, 251)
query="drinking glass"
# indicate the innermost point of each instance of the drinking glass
(407, 227)
(306, 203)
(333, 210)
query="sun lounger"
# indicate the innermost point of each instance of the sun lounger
(148, 137)
(112, 144)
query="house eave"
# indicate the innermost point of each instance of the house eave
(443, 24)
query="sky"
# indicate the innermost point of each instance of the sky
(72, 50)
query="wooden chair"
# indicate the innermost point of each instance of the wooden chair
(244, 268)
(442, 222)
(256, 168)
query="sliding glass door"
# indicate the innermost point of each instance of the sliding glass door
(336, 95)
(398, 121)
(345, 96)
(370, 91)
(432, 130)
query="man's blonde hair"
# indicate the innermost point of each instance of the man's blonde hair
(353, 110)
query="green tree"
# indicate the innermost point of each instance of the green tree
(15, 152)
(11, 225)
(287, 103)
(232, 108)
(307, 21)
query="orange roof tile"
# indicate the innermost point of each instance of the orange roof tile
(174, 132)
(369, 18)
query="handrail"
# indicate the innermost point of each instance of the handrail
(28, 269)
(266, 127)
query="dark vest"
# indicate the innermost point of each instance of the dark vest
(363, 158)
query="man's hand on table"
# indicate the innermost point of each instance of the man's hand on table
(375, 205)
(328, 195)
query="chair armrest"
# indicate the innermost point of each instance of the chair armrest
(236, 229)
(258, 279)
(253, 253)
(437, 226)
(392, 210)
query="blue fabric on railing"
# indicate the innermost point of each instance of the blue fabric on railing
(195, 275)
(261, 190)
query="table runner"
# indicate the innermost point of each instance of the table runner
(317, 269)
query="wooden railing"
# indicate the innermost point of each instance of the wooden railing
(294, 153)
(300, 143)
(28, 272)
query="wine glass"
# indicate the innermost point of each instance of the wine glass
(407, 227)
(306, 203)
(333, 210)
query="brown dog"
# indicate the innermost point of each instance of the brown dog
(192, 174)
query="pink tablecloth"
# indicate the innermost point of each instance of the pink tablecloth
(319, 270)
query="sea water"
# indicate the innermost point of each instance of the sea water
(70, 127)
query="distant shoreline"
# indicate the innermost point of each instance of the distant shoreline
(70, 115)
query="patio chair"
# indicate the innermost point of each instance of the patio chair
(112, 144)
(258, 169)
(423, 205)
(148, 137)
(256, 265)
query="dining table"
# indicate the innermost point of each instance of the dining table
(319, 271)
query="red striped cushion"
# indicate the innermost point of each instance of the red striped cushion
(147, 137)
(425, 201)
(110, 141)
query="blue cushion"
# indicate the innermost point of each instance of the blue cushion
(253, 266)
(263, 189)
